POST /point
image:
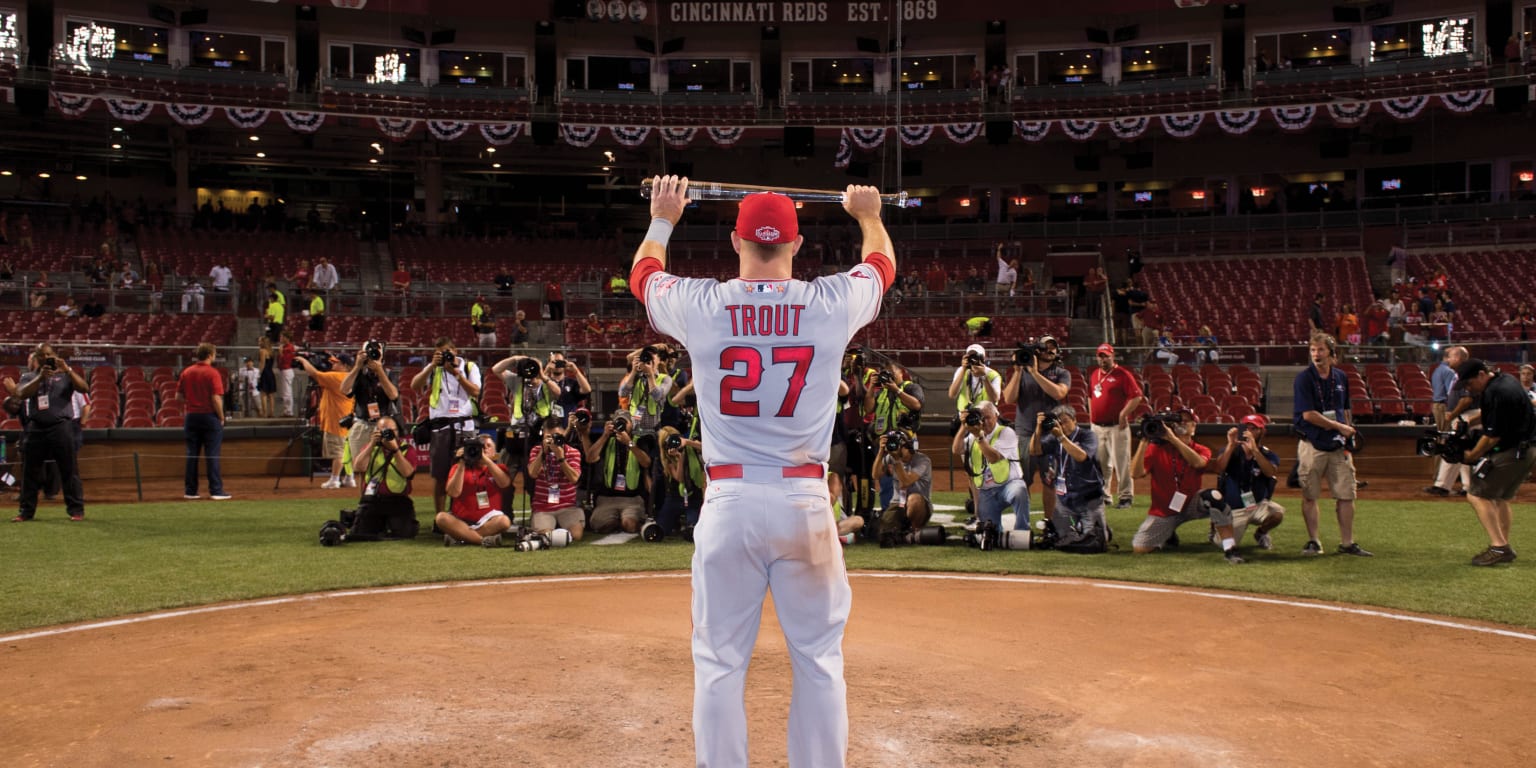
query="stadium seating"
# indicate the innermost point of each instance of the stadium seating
(1480, 283)
(123, 328)
(194, 252)
(1243, 301)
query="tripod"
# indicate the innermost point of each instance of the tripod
(310, 435)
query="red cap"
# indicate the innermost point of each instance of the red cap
(1105, 349)
(767, 217)
(1256, 420)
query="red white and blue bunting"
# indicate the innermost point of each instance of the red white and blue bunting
(246, 118)
(1130, 127)
(962, 133)
(1032, 130)
(189, 115)
(1406, 107)
(72, 105)
(1237, 121)
(915, 135)
(1349, 112)
(397, 128)
(446, 130)
(725, 137)
(1081, 130)
(579, 135)
(129, 110)
(303, 122)
(1464, 101)
(844, 151)
(1182, 126)
(500, 134)
(678, 138)
(630, 135)
(867, 138)
(1294, 118)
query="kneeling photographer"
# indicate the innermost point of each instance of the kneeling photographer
(385, 510)
(374, 397)
(621, 463)
(678, 484)
(555, 466)
(475, 483)
(1503, 456)
(1069, 463)
(1169, 455)
(991, 455)
(1247, 469)
(911, 502)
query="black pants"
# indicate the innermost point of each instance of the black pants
(55, 482)
(58, 444)
(384, 517)
(557, 310)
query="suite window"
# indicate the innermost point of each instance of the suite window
(222, 50)
(516, 69)
(1084, 65)
(386, 63)
(1201, 63)
(927, 72)
(711, 75)
(133, 42)
(1024, 70)
(1298, 50)
(469, 67)
(1151, 62)
(611, 73)
(1425, 38)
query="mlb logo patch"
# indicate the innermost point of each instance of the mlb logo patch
(767, 234)
(765, 287)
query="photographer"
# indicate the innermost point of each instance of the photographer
(646, 386)
(1169, 454)
(554, 481)
(47, 390)
(1451, 403)
(1503, 456)
(1115, 395)
(374, 396)
(532, 397)
(385, 510)
(573, 384)
(853, 453)
(1037, 383)
(334, 406)
(1068, 457)
(482, 319)
(1247, 471)
(911, 502)
(1323, 425)
(991, 455)
(679, 485)
(621, 464)
(895, 401)
(452, 386)
(974, 382)
(475, 483)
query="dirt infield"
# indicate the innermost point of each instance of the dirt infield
(942, 671)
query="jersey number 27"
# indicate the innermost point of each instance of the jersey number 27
(736, 358)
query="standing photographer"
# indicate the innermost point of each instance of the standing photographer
(532, 397)
(452, 386)
(974, 382)
(620, 463)
(1169, 454)
(1068, 457)
(47, 389)
(646, 386)
(374, 396)
(1451, 404)
(1323, 424)
(573, 384)
(911, 502)
(334, 407)
(482, 319)
(679, 486)
(475, 483)
(1037, 383)
(556, 469)
(1503, 456)
(991, 455)
(895, 401)
(385, 510)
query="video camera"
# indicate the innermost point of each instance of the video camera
(373, 349)
(1025, 353)
(319, 360)
(1451, 446)
(474, 450)
(1156, 426)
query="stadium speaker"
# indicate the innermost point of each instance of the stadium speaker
(1397, 145)
(31, 102)
(1096, 35)
(680, 168)
(1377, 11)
(1511, 98)
(645, 44)
(999, 131)
(1126, 34)
(858, 168)
(569, 10)
(1344, 14)
(910, 168)
(443, 37)
(799, 141)
(194, 16)
(1333, 149)
(866, 45)
(162, 14)
(673, 46)
(1137, 161)
(545, 132)
(1086, 162)
(413, 35)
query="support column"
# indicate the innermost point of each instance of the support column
(181, 159)
(433, 171)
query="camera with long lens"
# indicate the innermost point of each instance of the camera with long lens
(373, 349)
(1451, 446)
(673, 442)
(474, 450)
(532, 542)
(528, 369)
(583, 417)
(332, 533)
(320, 360)
(986, 536)
(1155, 427)
(651, 530)
(973, 417)
(1025, 353)
(895, 441)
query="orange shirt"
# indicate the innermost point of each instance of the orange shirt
(333, 407)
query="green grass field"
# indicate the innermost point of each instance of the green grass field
(129, 558)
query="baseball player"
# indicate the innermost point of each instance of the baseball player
(766, 350)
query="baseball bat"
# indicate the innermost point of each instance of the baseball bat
(724, 190)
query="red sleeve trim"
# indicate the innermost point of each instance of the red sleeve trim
(641, 273)
(882, 264)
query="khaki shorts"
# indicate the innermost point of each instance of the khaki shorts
(332, 446)
(358, 436)
(611, 511)
(568, 518)
(1500, 478)
(1313, 465)
(1258, 514)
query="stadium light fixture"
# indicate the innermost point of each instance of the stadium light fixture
(261, 154)
(81, 177)
(117, 146)
(45, 175)
(255, 138)
(6, 173)
(1527, 177)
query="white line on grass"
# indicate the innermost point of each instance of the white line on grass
(1370, 612)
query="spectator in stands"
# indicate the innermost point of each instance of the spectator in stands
(128, 277)
(40, 290)
(1438, 324)
(1519, 326)
(979, 326)
(594, 326)
(554, 298)
(249, 382)
(1512, 56)
(266, 380)
(192, 297)
(1397, 263)
(1315, 315)
(1438, 281)
(274, 315)
(220, 276)
(1450, 404)
(1247, 470)
(520, 334)
(1073, 474)
(647, 386)
(201, 388)
(334, 406)
(285, 365)
(1347, 325)
(1374, 322)
(1007, 274)
(1147, 323)
(1165, 352)
(316, 313)
(973, 281)
(24, 233)
(68, 309)
(374, 398)
(482, 320)
(475, 487)
(991, 455)
(324, 277)
(93, 307)
(1037, 387)
(937, 280)
(1322, 422)
(401, 280)
(973, 382)
(300, 276)
(618, 286)
(1114, 397)
(452, 386)
(154, 280)
(621, 458)
(1509, 432)
(554, 483)
(1206, 345)
(1413, 331)
(1094, 285)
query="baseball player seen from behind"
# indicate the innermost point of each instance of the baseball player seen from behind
(766, 350)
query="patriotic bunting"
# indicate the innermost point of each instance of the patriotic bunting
(1293, 118)
(246, 118)
(1130, 127)
(1032, 130)
(579, 135)
(630, 135)
(1183, 126)
(962, 133)
(678, 137)
(867, 138)
(303, 122)
(1405, 108)
(129, 110)
(446, 130)
(915, 135)
(725, 137)
(500, 134)
(189, 115)
(844, 151)
(1464, 101)
(397, 128)
(1349, 112)
(1237, 121)
(72, 105)
(1081, 130)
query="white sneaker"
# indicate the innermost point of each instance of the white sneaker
(331, 484)
(349, 482)
(190, 496)
(221, 497)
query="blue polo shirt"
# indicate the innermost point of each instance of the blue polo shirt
(1313, 393)
(1440, 383)
(1084, 480)
(1243, 474)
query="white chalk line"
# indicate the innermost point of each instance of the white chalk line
(319, 596)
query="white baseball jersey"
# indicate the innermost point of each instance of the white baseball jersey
(766, 355)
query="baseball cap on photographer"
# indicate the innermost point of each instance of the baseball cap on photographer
(1105, 349)
(768, 218)
(977, 348)
(1256, 420)
(1051, 340)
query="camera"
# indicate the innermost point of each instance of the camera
(474, 450)
(1048, 423)
(986, 536)
(973, 417)
(51, 362)
(651, 531)
(373, 349)
(447, 358)
(347, 421)
(673, 442)
(319, 360)
(895, 441)
(332, 533)
(532, 542)
(620, 422)
(884, 377)
(528, 369)
(1451, 446)
(583, 417)
(387, 435)
(1156, 426)
(971, 358)
(1024, 355)
(648, 354)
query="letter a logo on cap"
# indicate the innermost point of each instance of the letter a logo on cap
(767, 234)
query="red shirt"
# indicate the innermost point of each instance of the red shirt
(553, 477)
(553, 292)
(1170, 473)
(938, 280)
(199, 383)
(468, 506)
(285, 357)
(1151, 318)
(1109, 392)
(402, 278)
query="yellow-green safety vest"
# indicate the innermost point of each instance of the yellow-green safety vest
(974, 460)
